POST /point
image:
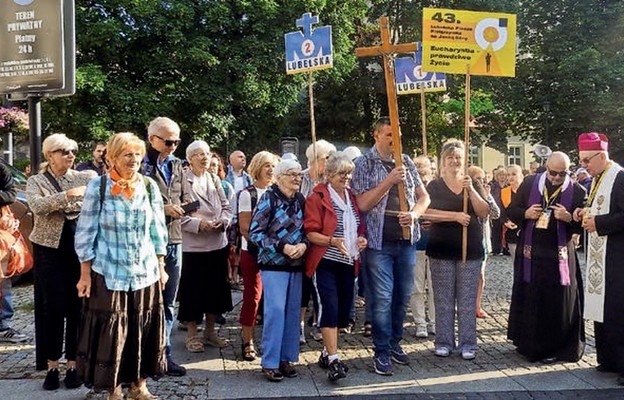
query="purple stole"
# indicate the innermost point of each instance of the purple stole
(535, 197)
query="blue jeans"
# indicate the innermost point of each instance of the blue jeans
(6, 308)
(173, 266)
(282, 308)
(390, 284)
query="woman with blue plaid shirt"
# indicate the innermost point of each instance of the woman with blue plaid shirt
(121, 241)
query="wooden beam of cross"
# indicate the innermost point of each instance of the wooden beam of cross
(387, 51)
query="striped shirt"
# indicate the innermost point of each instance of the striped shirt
(122, 238)
(332, 252)
(368, 173)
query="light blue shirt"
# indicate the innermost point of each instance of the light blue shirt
(124, 237)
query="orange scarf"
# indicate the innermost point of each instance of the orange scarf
(123, 186)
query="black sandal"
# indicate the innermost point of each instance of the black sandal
(249, 352)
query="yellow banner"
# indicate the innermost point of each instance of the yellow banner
(454, 39)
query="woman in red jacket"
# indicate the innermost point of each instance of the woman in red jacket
(336, 232)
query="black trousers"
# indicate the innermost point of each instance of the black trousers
(57, 272)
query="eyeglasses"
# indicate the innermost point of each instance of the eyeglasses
(560, 174)
(168, 142)
(66, 152)
(294, 175)
(586, 160)
(345, 174)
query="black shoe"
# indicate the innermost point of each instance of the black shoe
(323, 361)
(71, 380)
(52, 380)
(220, 320)
(604, 368)
(174, 369)
(337, 370)
(273, 375)
(287, 369)
(549, 360)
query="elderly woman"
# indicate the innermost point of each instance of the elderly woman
(55, 196)
(277, 230)
(261, 170)
(121, 241)
(336, 233)
(204, 288)
(313, 175)
(455, 284)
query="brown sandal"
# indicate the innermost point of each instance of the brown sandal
(249, 351)
(194, 345)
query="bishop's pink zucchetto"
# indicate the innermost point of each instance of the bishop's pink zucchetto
(593, 142)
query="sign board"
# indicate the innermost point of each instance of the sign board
(310, 50)
(410, 77)
(38, 52)
(453, 39)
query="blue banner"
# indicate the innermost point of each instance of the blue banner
(311, 49)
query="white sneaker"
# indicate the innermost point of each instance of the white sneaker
(302, 339)
(316, 334)
(421, 331)
(468, 355)
(442, 352)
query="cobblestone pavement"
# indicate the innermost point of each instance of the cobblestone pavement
(497, 372)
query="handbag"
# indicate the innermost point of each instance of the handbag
(14, 253)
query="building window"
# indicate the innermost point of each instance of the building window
(473, 156)
(514, 157)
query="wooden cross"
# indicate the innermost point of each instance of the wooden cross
(387, 50)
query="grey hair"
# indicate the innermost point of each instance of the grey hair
(162, 124)
(192, 148)
(336, 163)
(323, 149)
(285, 166)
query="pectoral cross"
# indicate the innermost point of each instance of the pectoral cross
(387, 51)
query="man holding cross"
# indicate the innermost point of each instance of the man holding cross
(391, 256)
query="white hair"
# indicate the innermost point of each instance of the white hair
(192, 148)
(352, 152)
(54, 142)
(285, 166)
(323, 149)
(162, 124)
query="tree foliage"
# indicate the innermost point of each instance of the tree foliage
(217, 67)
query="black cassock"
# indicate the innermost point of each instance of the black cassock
(610, 333)
(545, 317)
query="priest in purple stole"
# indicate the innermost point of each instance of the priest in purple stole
(545, 317)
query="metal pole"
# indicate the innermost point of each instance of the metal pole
(34, 121)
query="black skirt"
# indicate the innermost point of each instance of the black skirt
(204, 287)
(122, 336)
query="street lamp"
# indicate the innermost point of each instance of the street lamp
(546, 108)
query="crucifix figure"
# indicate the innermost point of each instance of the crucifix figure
(388, 50)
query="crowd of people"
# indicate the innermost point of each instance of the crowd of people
(138, 229)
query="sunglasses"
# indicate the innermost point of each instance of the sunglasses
(586, 160)
(66, 152)
(560, 174)
(169, 143)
